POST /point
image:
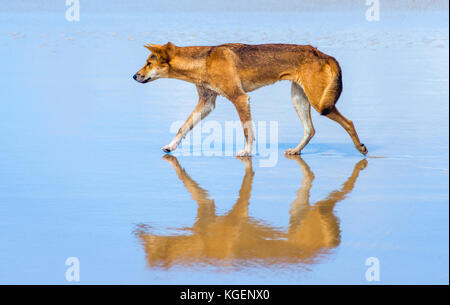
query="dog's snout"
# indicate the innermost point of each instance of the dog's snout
(135, 77)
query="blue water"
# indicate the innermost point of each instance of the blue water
(82, 174)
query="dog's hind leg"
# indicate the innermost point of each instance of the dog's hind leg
(206, 104)
(303, 108)
(336, 116)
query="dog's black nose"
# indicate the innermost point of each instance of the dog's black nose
(134, 76)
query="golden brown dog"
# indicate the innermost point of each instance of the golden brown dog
(233, 69)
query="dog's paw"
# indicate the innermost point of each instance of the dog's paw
(363, 149)
(168, 148)
(243, 153)
(292, 151)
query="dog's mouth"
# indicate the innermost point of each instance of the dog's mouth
(146, 80)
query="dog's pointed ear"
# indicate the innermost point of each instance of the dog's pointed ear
(167, 51)
(154, 48)
(170, 47)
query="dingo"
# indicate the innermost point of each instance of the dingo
(233, 69)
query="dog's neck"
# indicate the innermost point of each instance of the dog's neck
(188, 64)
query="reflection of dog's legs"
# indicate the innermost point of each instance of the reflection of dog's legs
(240, 208)
(328, 203)
(301, 204)
(206, 103)
(316, 226)
(303, 108)
(206, 207)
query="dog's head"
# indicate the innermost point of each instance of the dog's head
(157, 64)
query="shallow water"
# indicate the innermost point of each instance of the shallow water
(82, 173)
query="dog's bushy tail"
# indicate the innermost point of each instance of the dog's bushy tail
(333, 89)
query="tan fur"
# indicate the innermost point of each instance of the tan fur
(232, 70)
(235, 237)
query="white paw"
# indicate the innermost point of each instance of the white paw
(169, 148)
(243, 153)
(292, 151)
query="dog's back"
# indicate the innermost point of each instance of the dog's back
(318, 73)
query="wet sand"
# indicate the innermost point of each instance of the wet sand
(82, 173)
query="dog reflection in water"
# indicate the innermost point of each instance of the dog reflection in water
(236, 239)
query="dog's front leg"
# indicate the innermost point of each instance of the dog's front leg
(243, 108)
(206, 103)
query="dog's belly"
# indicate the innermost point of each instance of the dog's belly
(251, 85)
(253, 78)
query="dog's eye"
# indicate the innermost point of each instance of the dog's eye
(153, 56)
(149, 63)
